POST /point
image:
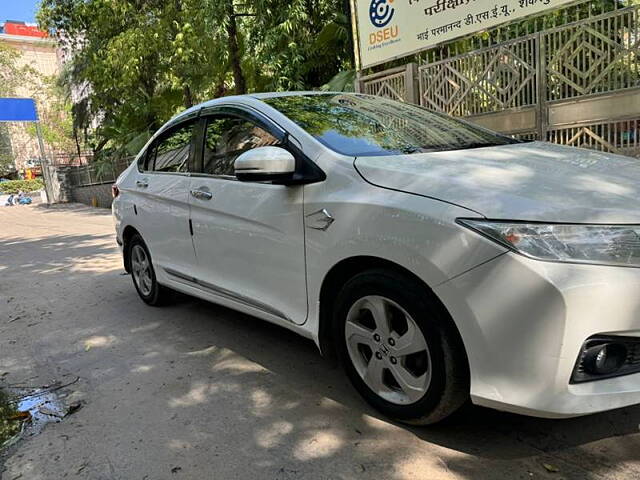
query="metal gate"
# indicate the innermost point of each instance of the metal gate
(576, 84)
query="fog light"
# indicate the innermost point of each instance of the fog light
(607, 356)
(604, 359)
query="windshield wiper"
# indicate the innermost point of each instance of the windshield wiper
(470, 146)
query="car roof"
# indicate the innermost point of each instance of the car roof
(264, 95)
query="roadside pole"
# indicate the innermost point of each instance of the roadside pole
(43, 165)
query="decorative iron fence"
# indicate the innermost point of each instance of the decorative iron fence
(596, 55)
(397, 83)
(490, 79)
(558, 17)
(617, 137)
(70, 159)
(95, 174)
(572, 78)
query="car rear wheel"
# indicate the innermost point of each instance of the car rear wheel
(143, 274)
(399, 348)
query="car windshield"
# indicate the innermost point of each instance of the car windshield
(363, 125)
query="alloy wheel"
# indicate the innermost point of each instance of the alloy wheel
(388, 349)
(141, 270)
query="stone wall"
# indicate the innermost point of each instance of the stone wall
(98, 195)
(88, 184)
(58, 183)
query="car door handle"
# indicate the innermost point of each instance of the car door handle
(202, 194)
(142, 183)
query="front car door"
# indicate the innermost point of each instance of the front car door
(162, 204)
(248, 236)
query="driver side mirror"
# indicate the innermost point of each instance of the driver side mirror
(264, 164)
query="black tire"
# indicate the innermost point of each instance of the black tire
(158, 295)
(448, 389)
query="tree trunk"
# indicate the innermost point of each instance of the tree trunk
(234, 51)
(100, 146)
(220, 90)
(75, 136)
(187, 96)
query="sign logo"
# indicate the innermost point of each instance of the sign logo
(384, 349)
(381, 12)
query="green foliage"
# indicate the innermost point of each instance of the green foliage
(10, 75)
(300, 44)
(8, 427)
(9, 71)
(341, 82)
(15, 186)
(54, 110)
(6, 153)
(136, 63)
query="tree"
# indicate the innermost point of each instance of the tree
(54, 112)
(300, 44)
(231, 25)
(138, 62)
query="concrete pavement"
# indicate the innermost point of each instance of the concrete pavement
(197, 391)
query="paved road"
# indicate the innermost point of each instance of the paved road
(197, 391)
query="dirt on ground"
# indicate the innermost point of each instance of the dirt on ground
(197, 391)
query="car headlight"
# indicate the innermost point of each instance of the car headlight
(571, 243)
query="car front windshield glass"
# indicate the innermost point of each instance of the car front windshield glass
(363, 125)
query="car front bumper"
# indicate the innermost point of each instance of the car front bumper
(524, 322)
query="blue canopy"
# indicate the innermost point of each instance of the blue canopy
(18, 110)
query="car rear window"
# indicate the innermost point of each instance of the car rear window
(364, 125)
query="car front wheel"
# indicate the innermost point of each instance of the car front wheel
(399, 348)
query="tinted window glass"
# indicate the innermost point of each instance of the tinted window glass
(227, 137)
(354, 124)
(171, 153)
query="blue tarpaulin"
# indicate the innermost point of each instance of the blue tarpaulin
(18, 110)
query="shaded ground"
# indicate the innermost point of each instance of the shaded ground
(198, 391)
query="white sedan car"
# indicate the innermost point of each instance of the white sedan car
(439, 261)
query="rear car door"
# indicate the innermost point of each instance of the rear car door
(248, 236)
(162, 190)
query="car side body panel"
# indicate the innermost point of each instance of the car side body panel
(249, 239)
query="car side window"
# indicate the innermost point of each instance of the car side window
(226, 137)
(171, 152)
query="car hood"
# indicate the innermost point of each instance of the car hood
(534, 181)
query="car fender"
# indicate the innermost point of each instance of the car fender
(417, 233)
